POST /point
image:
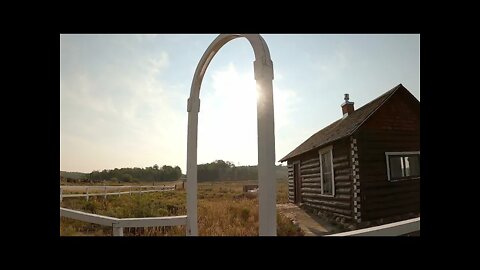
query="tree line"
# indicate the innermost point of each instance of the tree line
(153, 173)
(220, 170)
(217, 170)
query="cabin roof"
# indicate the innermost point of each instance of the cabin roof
(343, 127)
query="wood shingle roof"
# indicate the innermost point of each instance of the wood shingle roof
(343, 127)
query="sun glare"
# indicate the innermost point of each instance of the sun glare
(237, 89)
(228, 118)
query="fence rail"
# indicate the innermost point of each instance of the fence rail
(119, 223)
(105, 194)
(391, 229)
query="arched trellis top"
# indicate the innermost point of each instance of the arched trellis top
(263, 65)
(263, 69)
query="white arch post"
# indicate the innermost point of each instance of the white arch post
(263, 68)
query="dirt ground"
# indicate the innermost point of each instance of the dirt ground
(311, 225)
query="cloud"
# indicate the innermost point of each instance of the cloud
(118, 108)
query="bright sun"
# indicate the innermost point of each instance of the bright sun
(237, 89)
(228, 118)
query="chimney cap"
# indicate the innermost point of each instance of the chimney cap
(346, 97)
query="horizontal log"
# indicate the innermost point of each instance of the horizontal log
(339, 159)
(382, 192)
(325, 198)
(310, 171)
(383, 213)
(342, 178)
(330, 209)
(312, 184)
(374, 177)
(388, 184)
(313, 175)
(334, 204)
(376, 150)
(342, 153)
(346, 171)
(392, 140)
(400, 197)
(311, 180)
(310, 165)
(312, 190)
(347, 217)
(343, 184)
(390, 205)
(369, 133)
(389, 139)
(310, 160)
(346, 190)
(390, 189)
(341, 165)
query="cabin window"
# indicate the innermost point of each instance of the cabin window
(326, 171)
(403, 165)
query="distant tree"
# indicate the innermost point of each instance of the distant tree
(126, 178)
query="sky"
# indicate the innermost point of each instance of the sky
(123, 98)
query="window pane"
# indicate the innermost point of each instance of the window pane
(396, 170)
(414, 163)
(327, 174)
(326, 163)
(327, 184)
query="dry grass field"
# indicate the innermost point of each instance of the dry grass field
(223, 210)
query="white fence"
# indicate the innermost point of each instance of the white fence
(119, 223)
(391, 229)
(105, 193)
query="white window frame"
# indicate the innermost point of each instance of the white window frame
(320, 152)
(387, 158)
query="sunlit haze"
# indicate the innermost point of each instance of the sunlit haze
(123, 98)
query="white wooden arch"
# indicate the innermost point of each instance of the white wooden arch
(263, 69)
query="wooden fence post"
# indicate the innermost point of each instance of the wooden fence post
(105, 191)
(61, 195)
(87, 193)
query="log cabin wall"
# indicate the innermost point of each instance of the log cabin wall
(341, 204)
(395, 127)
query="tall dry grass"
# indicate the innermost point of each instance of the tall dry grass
(223, 210)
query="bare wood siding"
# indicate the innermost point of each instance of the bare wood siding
(340, 204)
(395, 127)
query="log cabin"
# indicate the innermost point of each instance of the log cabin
(363, 167)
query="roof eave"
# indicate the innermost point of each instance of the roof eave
(286, 158)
